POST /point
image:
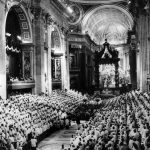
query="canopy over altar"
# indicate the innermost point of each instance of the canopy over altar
(106, 67)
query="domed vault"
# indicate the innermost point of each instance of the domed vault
(97, 1)
(107, 22)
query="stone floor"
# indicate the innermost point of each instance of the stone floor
(55, 140)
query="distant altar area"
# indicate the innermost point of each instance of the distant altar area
(106, 69)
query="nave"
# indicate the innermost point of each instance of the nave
(40, 122)
(55, 55)
(58, 138)
(122, 124)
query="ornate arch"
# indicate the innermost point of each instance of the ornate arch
(118, 7)
(97, 1)
(56, 53)
(58, 36)
(112, 15)
(24, 21)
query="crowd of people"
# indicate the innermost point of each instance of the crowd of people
(122, 124)
(25, 117)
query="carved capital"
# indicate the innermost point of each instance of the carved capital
(62, 29)
(8, 4)
(65, 31)
(36, 11)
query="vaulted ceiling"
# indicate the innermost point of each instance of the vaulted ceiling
(106, 19)
(97, 1)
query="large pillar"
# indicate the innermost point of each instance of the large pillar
(138, 68)
(65, 63)
(143, 30)
(116, 74)
(39, 50)
(82, 69)
(132, 61)
(50, 27)
(3, 88)
(96, 70)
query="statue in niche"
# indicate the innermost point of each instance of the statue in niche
(106, 47)
(115, 53)
(27, 66)
(58, 69)
(108, 51)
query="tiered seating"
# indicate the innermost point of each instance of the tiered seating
(22, 115)
(68, 100)
(123, 123)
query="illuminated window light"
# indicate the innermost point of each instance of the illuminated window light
(69, 9)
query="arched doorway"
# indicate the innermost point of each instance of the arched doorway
(19, 52)
(56, 53)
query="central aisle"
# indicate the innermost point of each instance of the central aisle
(55, 140)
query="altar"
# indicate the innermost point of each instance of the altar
(107, 70)
(106, 76)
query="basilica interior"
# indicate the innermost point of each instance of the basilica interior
(83, 60)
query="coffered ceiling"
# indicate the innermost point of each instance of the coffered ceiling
(104, 19)
(107, 21)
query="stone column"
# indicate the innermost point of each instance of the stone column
(96, 70)
(143, 30)
(138, 68)
(86, 69)
(49, 56)
(132, 61)
(3, 87)
(39, 50)
(65, 63)
(82, 69)
(116, 75)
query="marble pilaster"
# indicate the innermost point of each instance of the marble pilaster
(65, 64)
(39, 50)
(49, 57)
(143, 30)
(3, 86)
